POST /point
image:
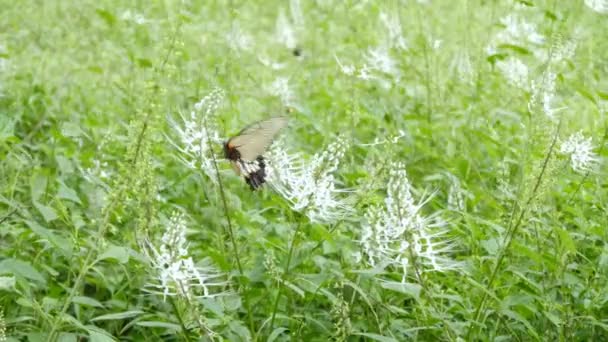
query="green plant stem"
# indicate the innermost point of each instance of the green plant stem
(229, 223)
(513, 229)
(285, 273)
(179, 318)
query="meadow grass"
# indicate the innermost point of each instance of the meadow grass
(441, 177)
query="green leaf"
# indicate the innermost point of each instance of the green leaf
(120, 254)
(67, 193)
(294, 287)
(70, 129)
(144, 62)
(241, 330)
(566, 239)
(410, 289)
(21, 269)
(97, 334)
(37, 337)
(37, 185)
(157, 324)
(376, 337)
(87, 301)
(67, 337)
(276, 333)
(118, 316)
(7, 127)
(47, 212)
(108, 17)
(62, 244)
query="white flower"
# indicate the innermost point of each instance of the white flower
(563, 49)
(580, 149)
(379, 59)
(237, 39)
(461, 64)
(543, 93)
(280, 88)
(394, 233)
(267, 62)
(393, 28)
(365, 73)
(196, 131)
(455, 194)
(176, 273)
(518, 31)
(346, 69)
(600, 6)
(515, 71)
(296, 13)
(137, 18)
(309, 185)
(284, 31)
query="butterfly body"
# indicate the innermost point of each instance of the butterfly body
(246, 148)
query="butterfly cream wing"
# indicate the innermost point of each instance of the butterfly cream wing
(253, 140)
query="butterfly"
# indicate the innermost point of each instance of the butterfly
(245, 149)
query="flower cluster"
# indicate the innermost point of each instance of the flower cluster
(175, 270)
(309, 186)
(543, 94)
(237, 39)
(515, 71)
(397, 234)
(580, 149)
(197, 132)
(600, 6)
(280, 88)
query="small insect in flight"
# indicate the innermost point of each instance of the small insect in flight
(246, 148)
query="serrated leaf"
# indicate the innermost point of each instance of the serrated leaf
(47, 212)
(120, 254)
(118, 316)
(65, 192)
(87, 301)
(62, 244)
(410, 289)
(37, 185)
(21, 269)
(240, 329)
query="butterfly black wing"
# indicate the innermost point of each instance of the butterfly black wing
(253, 140)
(246, 148)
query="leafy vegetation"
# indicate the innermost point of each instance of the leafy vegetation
(441, 177)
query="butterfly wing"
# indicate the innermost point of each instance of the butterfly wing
(253, 140)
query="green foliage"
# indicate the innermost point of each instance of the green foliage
(91, 169)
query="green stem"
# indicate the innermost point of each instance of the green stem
(285, 273)
(229, 222)
(513, 229)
